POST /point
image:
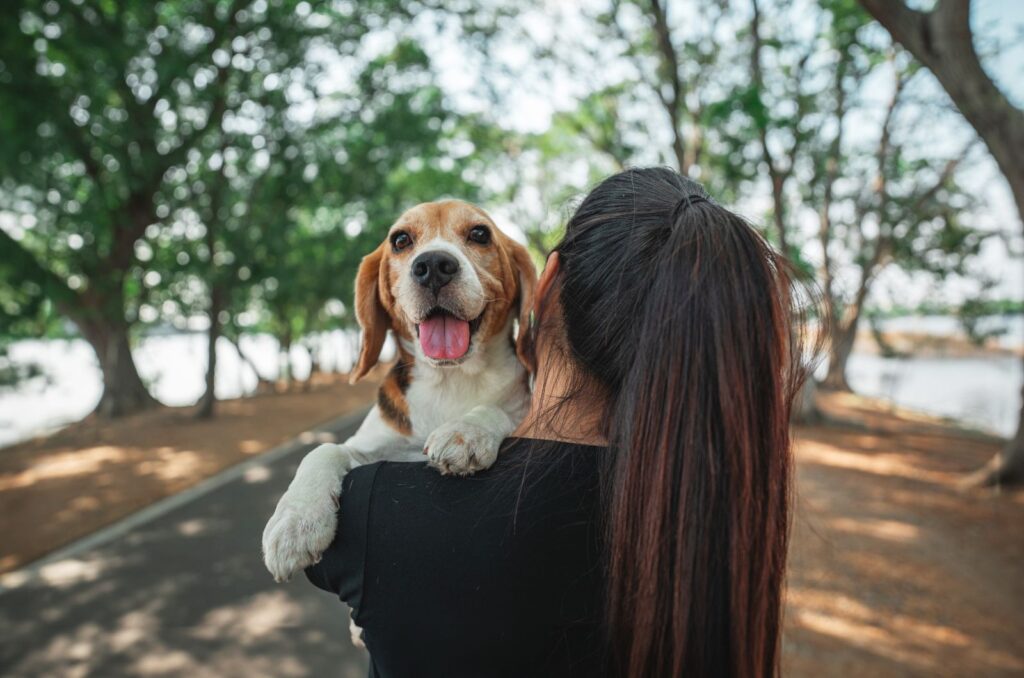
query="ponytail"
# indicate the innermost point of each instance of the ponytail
(682, 312)
(699, 504)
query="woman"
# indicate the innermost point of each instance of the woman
(637, 521)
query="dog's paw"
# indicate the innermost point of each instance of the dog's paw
(305, 520)
(462, 448)
(301, 529)
(356, 633)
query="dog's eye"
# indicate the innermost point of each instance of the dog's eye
(400, 240)
(480, 234)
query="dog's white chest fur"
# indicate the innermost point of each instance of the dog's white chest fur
(493, 377)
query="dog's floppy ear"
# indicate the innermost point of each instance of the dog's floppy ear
(370, 312)
(526, 282)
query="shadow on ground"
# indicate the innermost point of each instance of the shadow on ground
(185, 595)
(893, 571)
(69, 484)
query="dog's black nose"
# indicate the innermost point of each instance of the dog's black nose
(434, 270)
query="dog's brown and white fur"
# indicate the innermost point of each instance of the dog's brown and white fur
(458, 411)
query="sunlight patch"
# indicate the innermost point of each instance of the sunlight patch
(68, 572)
(257, 474)
(63, 465)
(890, 530)
(251, 621)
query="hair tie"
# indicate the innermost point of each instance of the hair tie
(687, 201)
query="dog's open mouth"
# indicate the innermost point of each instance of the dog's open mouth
(445, 336)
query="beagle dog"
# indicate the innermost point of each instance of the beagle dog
(450, 286)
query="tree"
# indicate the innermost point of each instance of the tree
(684, 68)
(778, 109)
(942, 40)
(121, 96)
(285, 211)
(908, 215)
(884, 199)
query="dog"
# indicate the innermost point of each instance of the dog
(450, 287)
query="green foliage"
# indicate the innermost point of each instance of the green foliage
(163, 161)
(160, 155)
(109, 108)
(971, 313)
(283, 250)
(26, 313)
(887, 198)
(974, 311)
(979, 306)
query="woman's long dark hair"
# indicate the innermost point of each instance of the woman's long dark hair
(679, 312)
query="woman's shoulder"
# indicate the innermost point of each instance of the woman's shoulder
(527, 476)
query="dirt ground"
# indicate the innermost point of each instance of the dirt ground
(56, 489)
(894, 571)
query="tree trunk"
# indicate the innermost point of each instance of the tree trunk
(1011, 466)
(261, 381)
(314, 361)
(123, 390)
(805, 409)
(779, 208)
(208, 402)
(839, 356)
(778, 180)
(284, 360)
(1007, 467)
(673, 102)
(98, 312)
(314, 365)
(942, 40)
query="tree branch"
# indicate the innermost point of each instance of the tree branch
(670, 69)
(761, 121)
(942, 41)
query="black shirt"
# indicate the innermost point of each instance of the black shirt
(497, 574)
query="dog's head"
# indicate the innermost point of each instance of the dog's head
(447, 281)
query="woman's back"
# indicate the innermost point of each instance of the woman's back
(495, 574)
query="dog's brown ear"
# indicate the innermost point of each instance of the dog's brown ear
(370, 312)
(526, 274)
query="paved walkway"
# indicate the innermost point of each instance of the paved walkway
(180, 591)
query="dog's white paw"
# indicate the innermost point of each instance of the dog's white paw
(461, 448)
(356, 633)
(297, 535)
(305, 520)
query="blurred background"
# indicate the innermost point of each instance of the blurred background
(187, 187)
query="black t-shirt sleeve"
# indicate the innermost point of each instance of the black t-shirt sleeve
(341, 569)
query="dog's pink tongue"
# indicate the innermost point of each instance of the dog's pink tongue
(444, 337)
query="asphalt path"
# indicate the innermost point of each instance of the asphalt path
(180, 590)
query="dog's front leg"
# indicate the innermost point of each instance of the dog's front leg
(305, 520)
(470, 443)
